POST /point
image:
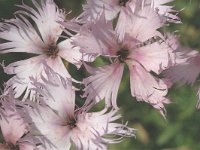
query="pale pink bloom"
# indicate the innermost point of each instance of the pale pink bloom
(173, 41)
(142, 48)
(40, 39)
(94, 8)
(162, 7)
(126, 8)
(103, 83)
(130, 22)
(184, 67)
(59, 125)
(187, 70)
(178, 53)
(13, 126)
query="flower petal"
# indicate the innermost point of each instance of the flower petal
(13, 127)
(154, 57)
(93, 134)
(165, 10)
(103, 83)
(57, 65)
(93, 9)
(142, 25)
(26, 147)
(23, 70)
(32, 67)
(46, 16)
(152, 91)
(56, 92)
(97, 38)
(19, 36)
(186, 71)
(72, 54)
(22, 36)
(49, 128)
(13, 121)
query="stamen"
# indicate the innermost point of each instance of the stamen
(122, 55)
(72, 123)
(52, 50)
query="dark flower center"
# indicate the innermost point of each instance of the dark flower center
(123, 2)
(72, 123)
(122, 55)
(52, 50)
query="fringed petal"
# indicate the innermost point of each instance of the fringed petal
(23, 70)
(93, 10)
(47, 17)
(187, 71)
(72, 54)
(97, 38)
(152, 91)
(56, 92)
(13, 123)
(19, 36)
(142, 25)
(49, 128)
(165, 10)
(93, 134)
(103, 83)
(154, 57)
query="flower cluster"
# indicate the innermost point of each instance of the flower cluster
(39, 107)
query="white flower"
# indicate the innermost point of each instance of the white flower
(36, 31)
(93, 9)
(60, 125)
(13, 126)
(184, 67)
(141, 47)
(165, 10)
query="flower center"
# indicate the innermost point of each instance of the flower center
(52, 50)
(72, 123)
(122, 55)
(123, 2)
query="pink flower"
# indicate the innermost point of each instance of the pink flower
(186, 72)
(141, 47)
(184, 67)
(13, 125)
(60, 125)
(40, 39)
(94, 8)
(164, 10)
(103, 83)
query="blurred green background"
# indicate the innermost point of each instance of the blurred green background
(181, 130)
